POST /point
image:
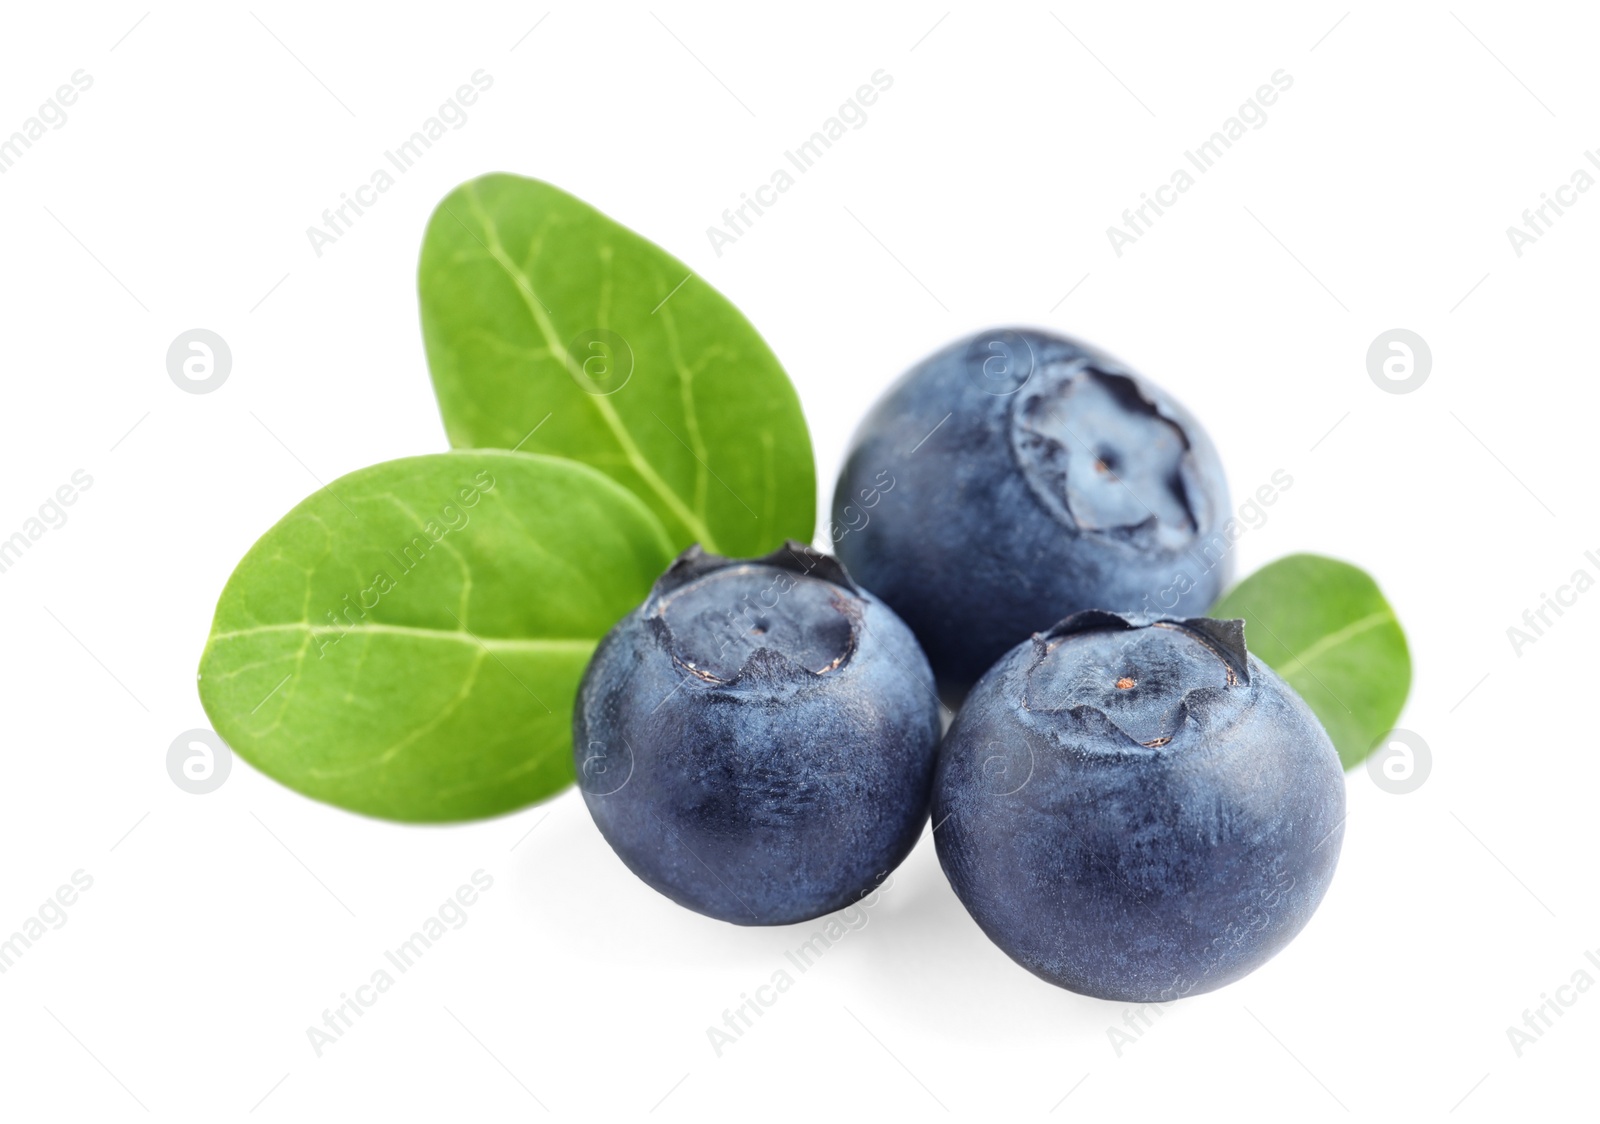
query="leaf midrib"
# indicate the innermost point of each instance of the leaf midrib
(1334, 639)
(608, 413)
(555, 645)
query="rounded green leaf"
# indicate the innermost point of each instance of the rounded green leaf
(553, 329)
(1325, 627)
(407, 642)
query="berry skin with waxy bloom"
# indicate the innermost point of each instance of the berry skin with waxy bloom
(1136, 808)
(757, 740)
(1017, 477)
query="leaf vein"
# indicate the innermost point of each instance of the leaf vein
(608, 413)
(1349, 632)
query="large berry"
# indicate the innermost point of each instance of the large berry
(1017, 477)
(757, 740)
(1136, 808)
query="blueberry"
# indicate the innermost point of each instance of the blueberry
(757, 740)
(1136, 808)
(1017, 477)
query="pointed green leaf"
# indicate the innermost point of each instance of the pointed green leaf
(1325, 627)
(407, 642)
(552, 329)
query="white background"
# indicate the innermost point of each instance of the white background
(1377, 195)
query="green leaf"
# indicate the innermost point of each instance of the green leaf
(1324, 626)
(552, 329)
(407, 642)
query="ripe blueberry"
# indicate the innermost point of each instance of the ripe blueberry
(1136, 808)
(1017, 477)
(757, 740)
